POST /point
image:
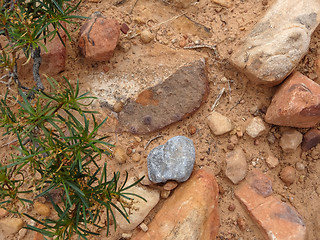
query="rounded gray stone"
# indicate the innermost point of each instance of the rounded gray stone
(172, 161)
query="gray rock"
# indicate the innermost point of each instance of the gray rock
(172, 161)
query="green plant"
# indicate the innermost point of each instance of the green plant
(54, 144)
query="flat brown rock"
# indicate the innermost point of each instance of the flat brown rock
(177, 97)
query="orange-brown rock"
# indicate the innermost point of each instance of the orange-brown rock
(296, 103)
(190, 213)
(310, 139)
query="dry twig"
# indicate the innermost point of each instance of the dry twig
(145, 147)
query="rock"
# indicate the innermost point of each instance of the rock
(136, 157)
(191, 212)
(231, 207)
(219, 124)
(120, 154)
(173, 100)
(143, 227)
(290, 140)
(99, 37)
(3, 213)
(165, 194)
(172, 161)
(236, 169)
(310, 139)
(124, 28)
(296, 103)
(288, 175)
(276, 219)
(256, 127)
(139, 209)
(170, 185)
(191, 129)
(126, 235)
(241, 223)
(300, 166)
(11, 225)
(272, 161)
(117, 107)
(146, 36)
(278, 42)
(224, 3)
(42, 209)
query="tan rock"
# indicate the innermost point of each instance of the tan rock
(288, 175)
(136, 157)
(290, 140)
(190, 213)
(276, 219)
(11, 225)
(256, 127)
(224, 3)
(236, 169)
(120, 154)
(42, 209)
(219, 124)
(146, 36)
(296, 103)
(272, 161)
(278, 42)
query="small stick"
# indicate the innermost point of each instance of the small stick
(145, 147)
(6, 144)
(201, 46)
(217, 99)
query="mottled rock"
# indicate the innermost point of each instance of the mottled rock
(219, 124)
(272, 161)
(276, 219)
(236, 168)
(99, 37)
(290, 140)
(42, 209)
(11, 225)
(120, 154)
(256, 127)
(139, 209)
(288, 175)
(173, 100)
(278, 41)
(296, 103)
(191, 212)
(310, 139)
(172, 161)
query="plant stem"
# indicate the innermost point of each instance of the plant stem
(36, 65)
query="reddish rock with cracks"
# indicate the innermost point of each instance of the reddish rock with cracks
(190, 213)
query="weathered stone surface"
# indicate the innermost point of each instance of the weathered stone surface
(290, 140)
(99, 37)
(236, 169)
(171, 101)
(278, 42)
(276, 219)
(219, 124)
(11, 225)
(139, 209)
(296, 103)
(172, 161)
(191, 212)
(256, 127)
(310, 139)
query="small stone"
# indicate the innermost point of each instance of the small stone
(117, 107)
(300, 166)
(288, 175)
(236, 169)
(271, 138)
(171, 161)
(42, 209)
(224, 80)
(256, 127)
(170, 185)
(219, 124)
(290, 140)
(146, 36)
(231, 207)
(241, 223)
(191, 129)
(136, 157)
(120, 155)
(234, 140)
(137, 139)
(182, 43)
(310, 139)
(126, 235)
(11, 225)
(124, 28)
(143, 227)
(3, 213)
(272, 161)
(165, 194)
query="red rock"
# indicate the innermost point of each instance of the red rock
(99, 37)
(124, 28)
(191, 212)
(310, 139)
(277, 220)
(296, 103)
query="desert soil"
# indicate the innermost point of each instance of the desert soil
(240, 102)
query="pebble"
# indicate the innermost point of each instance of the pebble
(310, 139)
(124, 28)
(170, 185)
(271, 138)
(3, 213)
(300, 166)
(120, 155)
(272, 161)
(172, 161)
(143, 227)
(290, 140)
(288, 175)
(136, 157)
(191, 129)
(42, 209)
(219, 124)
(256, 127)
(182, 43)
(146, 36)
(117, 107)
(232, 207)
(236, 169)
(241, 223)
(11, 225)
(126, 235)
(165, 194)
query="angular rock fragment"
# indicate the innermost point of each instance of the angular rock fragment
(236, 169)
(256, 127)
(290, 140)
(219, 124)
(173, 100)
(278, 41)
(310, 139)
(191, 212)
(172, 161)
(296, 103)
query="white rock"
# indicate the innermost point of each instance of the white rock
(256, 127)
(236, 169)
(290, 140)
(139, 209)
(143, 227)
(146, 36)
(219, 124)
